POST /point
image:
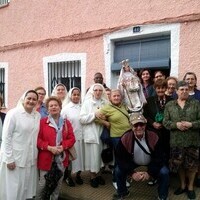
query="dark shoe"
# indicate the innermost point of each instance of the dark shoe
(121, 197)
(198, 182)
(152, 182)
(100, 180)
(79, 180)
(70, 182)
(191, 194)
(94, 183)
(180, 191)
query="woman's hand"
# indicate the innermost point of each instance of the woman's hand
(53, 150)
(11, 166)
(183, 126)
(100, 116)
(60, 149)
(157, 125)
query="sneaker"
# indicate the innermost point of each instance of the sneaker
(100, 180)
(115, 185)
(94, 183)
(127, 184)
(70, 182)
(152, 182)
(79, 180)
(121, 197)
(191, 194)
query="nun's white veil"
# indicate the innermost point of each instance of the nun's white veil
(90, 93)
(54, 93)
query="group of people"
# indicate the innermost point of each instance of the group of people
(153, 123)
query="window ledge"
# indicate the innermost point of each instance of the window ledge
(4, 5)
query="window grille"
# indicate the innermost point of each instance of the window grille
(2, 84)
(67, 73)
(4, 2)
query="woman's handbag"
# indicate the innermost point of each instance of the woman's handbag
(105, 136)
(107, 155)
(52, 177)
(72, 153)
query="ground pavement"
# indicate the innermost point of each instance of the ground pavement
(139, 190)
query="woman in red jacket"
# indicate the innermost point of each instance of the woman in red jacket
(55, 138)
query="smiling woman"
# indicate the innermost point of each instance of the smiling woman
(54, 139)
(18, 164)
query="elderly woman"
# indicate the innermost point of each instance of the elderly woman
(71, 112)
(18, 169)
(153, 112)
(116, 114)
(171, 87)
(182, 118)
(194, 93)
(60, 91)
(55, 138)
(92, 129)
(191, 79)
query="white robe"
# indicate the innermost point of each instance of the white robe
(19, 145)
(91, 134)
(72, 112)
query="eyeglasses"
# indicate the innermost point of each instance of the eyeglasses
(98, 90)
(43, 94)
(139, 124)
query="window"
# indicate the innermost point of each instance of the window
(3, 81)
(67, 72)
(155, 46)
(152, 52)
(66, 68)
(4, 2)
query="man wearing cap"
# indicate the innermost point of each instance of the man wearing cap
(140, 147)
(182, 118)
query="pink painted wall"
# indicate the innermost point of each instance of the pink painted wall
(190, 49)
(31, 30)
(25, 21)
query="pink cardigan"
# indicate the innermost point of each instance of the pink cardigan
(47, 136)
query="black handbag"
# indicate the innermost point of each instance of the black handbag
(107, 155)
(52, 177)
(105, 136)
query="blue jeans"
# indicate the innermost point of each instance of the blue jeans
(163, 181)
(114, 141)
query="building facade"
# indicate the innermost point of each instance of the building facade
(47, 42)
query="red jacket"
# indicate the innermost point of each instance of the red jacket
(47, 136)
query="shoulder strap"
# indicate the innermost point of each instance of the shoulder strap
(139, 144)
(120, 111)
